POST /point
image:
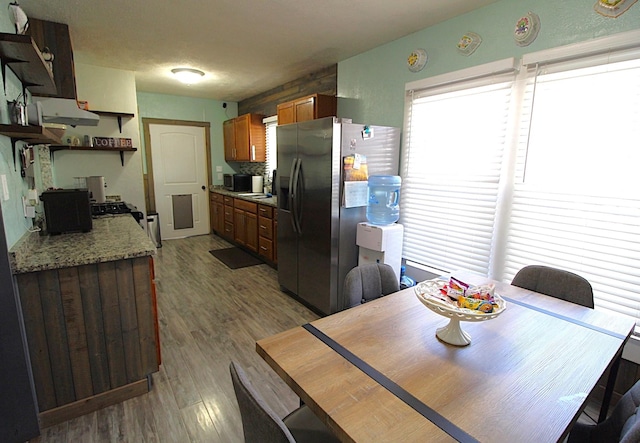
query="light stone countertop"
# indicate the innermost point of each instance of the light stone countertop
(112, 238)
(269, 201)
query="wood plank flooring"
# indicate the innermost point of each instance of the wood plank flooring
(208, 315)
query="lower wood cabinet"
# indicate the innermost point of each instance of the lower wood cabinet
(250, 225)
(216, 212)
(92, 333)
(267, 236)
(228, 230)
(245, 224)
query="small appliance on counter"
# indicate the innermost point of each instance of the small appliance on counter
(237, 182)
(257, 183)
(96, 187)
(67, 210)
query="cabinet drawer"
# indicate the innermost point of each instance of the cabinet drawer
(228, 229)
(215, 197)
(246, 206)
(228, 213)
(228, 200)
(265, 227)
(265, 211)
(265, 248)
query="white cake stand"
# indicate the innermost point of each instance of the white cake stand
(428, 291)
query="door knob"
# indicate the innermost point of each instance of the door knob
(204, 187)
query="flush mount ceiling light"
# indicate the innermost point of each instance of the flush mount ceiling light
(187, 75)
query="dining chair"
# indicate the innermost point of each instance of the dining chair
(368, 282)
(555, 283)
(623, 425)
(260, 424)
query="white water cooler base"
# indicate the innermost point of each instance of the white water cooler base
(380, 244)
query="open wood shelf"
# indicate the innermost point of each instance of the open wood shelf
(22, 56)
(30, 134)
(54, 148)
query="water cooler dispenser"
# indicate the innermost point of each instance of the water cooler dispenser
(380, 244)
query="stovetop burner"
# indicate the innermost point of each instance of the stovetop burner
(111, 208)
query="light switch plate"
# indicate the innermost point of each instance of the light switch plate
(218, 168)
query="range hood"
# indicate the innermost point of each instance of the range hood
(61, 111)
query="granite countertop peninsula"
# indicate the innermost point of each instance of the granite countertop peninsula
(269, 201)
(116, 237)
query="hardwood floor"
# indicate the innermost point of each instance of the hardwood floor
(209, 315)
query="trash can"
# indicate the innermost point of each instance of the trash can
(153, 228)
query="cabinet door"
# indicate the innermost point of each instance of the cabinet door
(251, 225)
(229, 133)
(285, 113)
(305, 109)
(219, 217)
(239, 228)
(243, 141)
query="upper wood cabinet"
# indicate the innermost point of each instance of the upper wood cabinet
(55, 37)
(244, 139)
(306, 108)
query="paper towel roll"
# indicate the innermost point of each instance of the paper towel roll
(257, 183)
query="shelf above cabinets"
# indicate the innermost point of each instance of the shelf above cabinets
(22, 56)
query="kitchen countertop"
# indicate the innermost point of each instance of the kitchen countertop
(116, 237)
(269, 201)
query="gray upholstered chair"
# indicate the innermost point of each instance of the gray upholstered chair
(623, 425)
(556, 283)
(367, 282)
(261, 425)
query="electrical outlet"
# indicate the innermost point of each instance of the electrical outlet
(219, 176)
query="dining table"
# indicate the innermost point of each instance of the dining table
(378, 373)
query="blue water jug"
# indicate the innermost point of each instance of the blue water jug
(384, 199)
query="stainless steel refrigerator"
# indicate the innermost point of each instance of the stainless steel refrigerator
(316, 233)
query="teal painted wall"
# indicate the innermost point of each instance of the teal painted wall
(15, 224)
(371, 84)
(175, 107)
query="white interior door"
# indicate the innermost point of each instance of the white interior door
(180, 179)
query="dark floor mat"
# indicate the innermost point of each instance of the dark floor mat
(235, 258)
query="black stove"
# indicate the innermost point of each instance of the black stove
(112, 208)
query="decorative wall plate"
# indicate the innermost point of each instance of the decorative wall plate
(526, 30)
(612, 8)
(469, 43)
(417, 60)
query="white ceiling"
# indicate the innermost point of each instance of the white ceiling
(245, 47)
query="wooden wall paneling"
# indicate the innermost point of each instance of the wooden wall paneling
(29, 290)
(324, 81)
(94, 324)
(129, 320)
(145, 314)
(112, 324)
(71, 297)
(57, 339)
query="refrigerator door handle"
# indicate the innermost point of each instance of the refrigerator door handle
(299, 196)
(292, 191)
(295, 206)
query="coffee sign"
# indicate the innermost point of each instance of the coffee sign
(111, 142)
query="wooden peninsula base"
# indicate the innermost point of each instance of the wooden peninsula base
(91, 328)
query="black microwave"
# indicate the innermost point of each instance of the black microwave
(237, 182)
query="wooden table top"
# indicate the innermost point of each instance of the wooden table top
(524, 377)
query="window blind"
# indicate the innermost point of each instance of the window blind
(270, 124)
(576, 198)
(451, 171)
